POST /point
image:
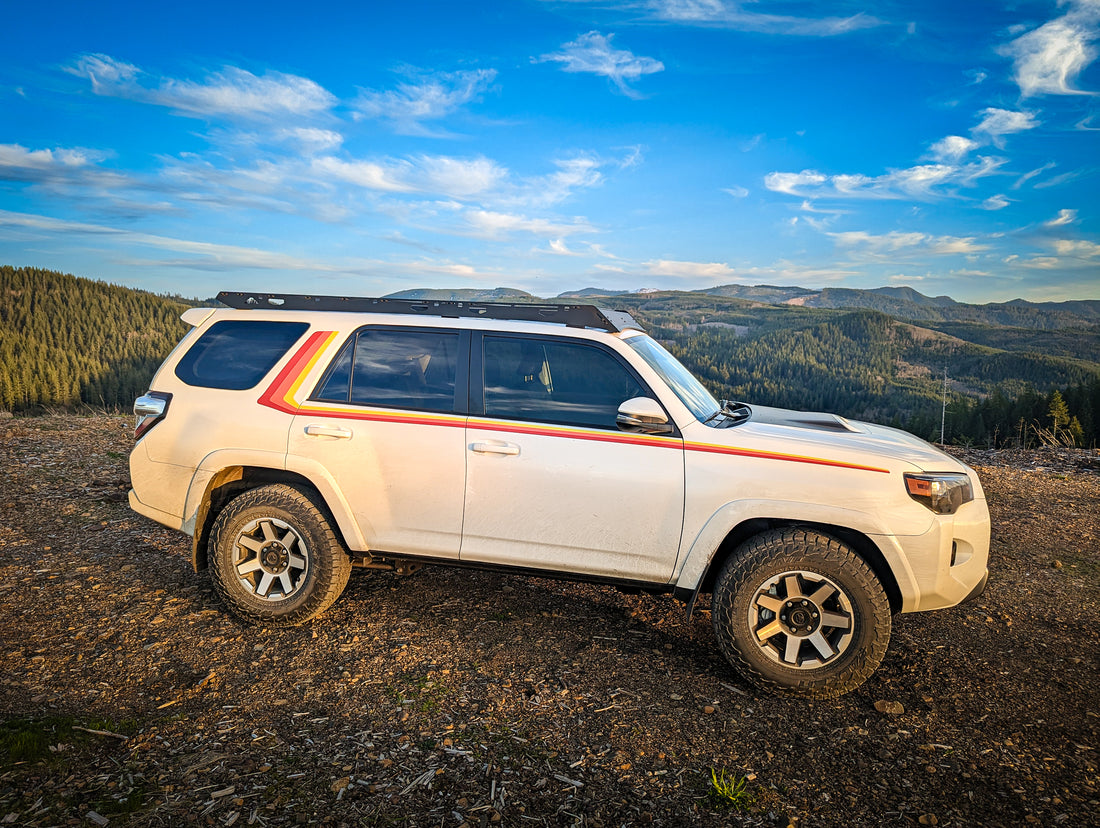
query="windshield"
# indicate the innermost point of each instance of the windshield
(690, 391)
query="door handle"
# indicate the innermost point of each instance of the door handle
(315, 430)
(495, 448)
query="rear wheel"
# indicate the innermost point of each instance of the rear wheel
(274, 557)
(800, 612)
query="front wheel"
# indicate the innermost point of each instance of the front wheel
(800, 612)
(274, 557)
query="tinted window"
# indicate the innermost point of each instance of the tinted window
(556, 382)
(395, 368)
(237, 354)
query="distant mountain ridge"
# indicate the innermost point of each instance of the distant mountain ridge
(904, 303)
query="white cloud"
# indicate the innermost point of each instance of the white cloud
(1023, 179)
(953, 148)
(580, 171)
(313, 140)
(207, 256)
(1048, 60)
(426, 98)
(458, 177)
(689, 270)
(731, 15)
(390, 177)
(593, 53)
(924, 181)
(558, 246)
(736, 191)
(491, 224)
(1078, 248)
(995, 202)
(1063, 217)
(1040, 263)
(231, 93)
(793, 183)
(440, 175)
(17, 157)
(880, 245)
(104, 72)
(997, 123)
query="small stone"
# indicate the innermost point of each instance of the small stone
(1056, 564)
(340, 784)
(708, 709)
(892, 708)
(929, 819)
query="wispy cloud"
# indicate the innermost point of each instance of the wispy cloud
(1077, 248)
(1064, 217)
(733, 15)
(996, 123)
(953, 148)
(593, 53)
(425, 97)
(689, 270)
(572, 174)
(231, 93)
(890, 244)
(995, 202)
(492, 224)
(1049, 59)
(72, 172)
(924, 181)
(1026, 177)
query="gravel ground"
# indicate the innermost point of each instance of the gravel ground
(450, 697)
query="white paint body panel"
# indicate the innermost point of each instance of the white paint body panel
(585, 506)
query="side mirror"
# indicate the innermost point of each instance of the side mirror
(642, 415)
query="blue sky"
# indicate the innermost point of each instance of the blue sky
(552, 145)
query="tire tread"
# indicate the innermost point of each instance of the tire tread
(333, 566)
(795, 546)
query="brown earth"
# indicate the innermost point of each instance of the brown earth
(449, 697)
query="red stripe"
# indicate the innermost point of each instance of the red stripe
(275, 395)
(791, 458)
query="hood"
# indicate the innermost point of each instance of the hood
(829, 433)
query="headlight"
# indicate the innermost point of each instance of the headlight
(943, 493)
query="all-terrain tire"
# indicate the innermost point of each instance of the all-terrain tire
(274, 557)
(800, 613)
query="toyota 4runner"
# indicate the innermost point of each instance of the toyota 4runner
(297, 437)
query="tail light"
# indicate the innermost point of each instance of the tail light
(149, 409)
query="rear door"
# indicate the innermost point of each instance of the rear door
(551, 481)
(387, 421)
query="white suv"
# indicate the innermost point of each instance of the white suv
(296, 437)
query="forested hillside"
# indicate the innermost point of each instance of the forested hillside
(868, 365)
(66, 340)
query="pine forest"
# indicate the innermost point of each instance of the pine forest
(887, 356)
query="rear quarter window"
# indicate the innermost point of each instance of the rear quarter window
(237, 354)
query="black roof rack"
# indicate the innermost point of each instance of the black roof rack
(574, 316)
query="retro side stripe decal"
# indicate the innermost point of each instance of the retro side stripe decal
(773, 455)
(283, 393)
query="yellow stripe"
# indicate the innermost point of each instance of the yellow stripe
(291, 397)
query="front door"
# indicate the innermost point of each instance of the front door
(551, 481)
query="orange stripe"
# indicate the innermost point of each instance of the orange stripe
(281, 395)
(294, 372)
(708, 448)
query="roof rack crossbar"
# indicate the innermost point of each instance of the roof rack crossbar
(574, 316)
